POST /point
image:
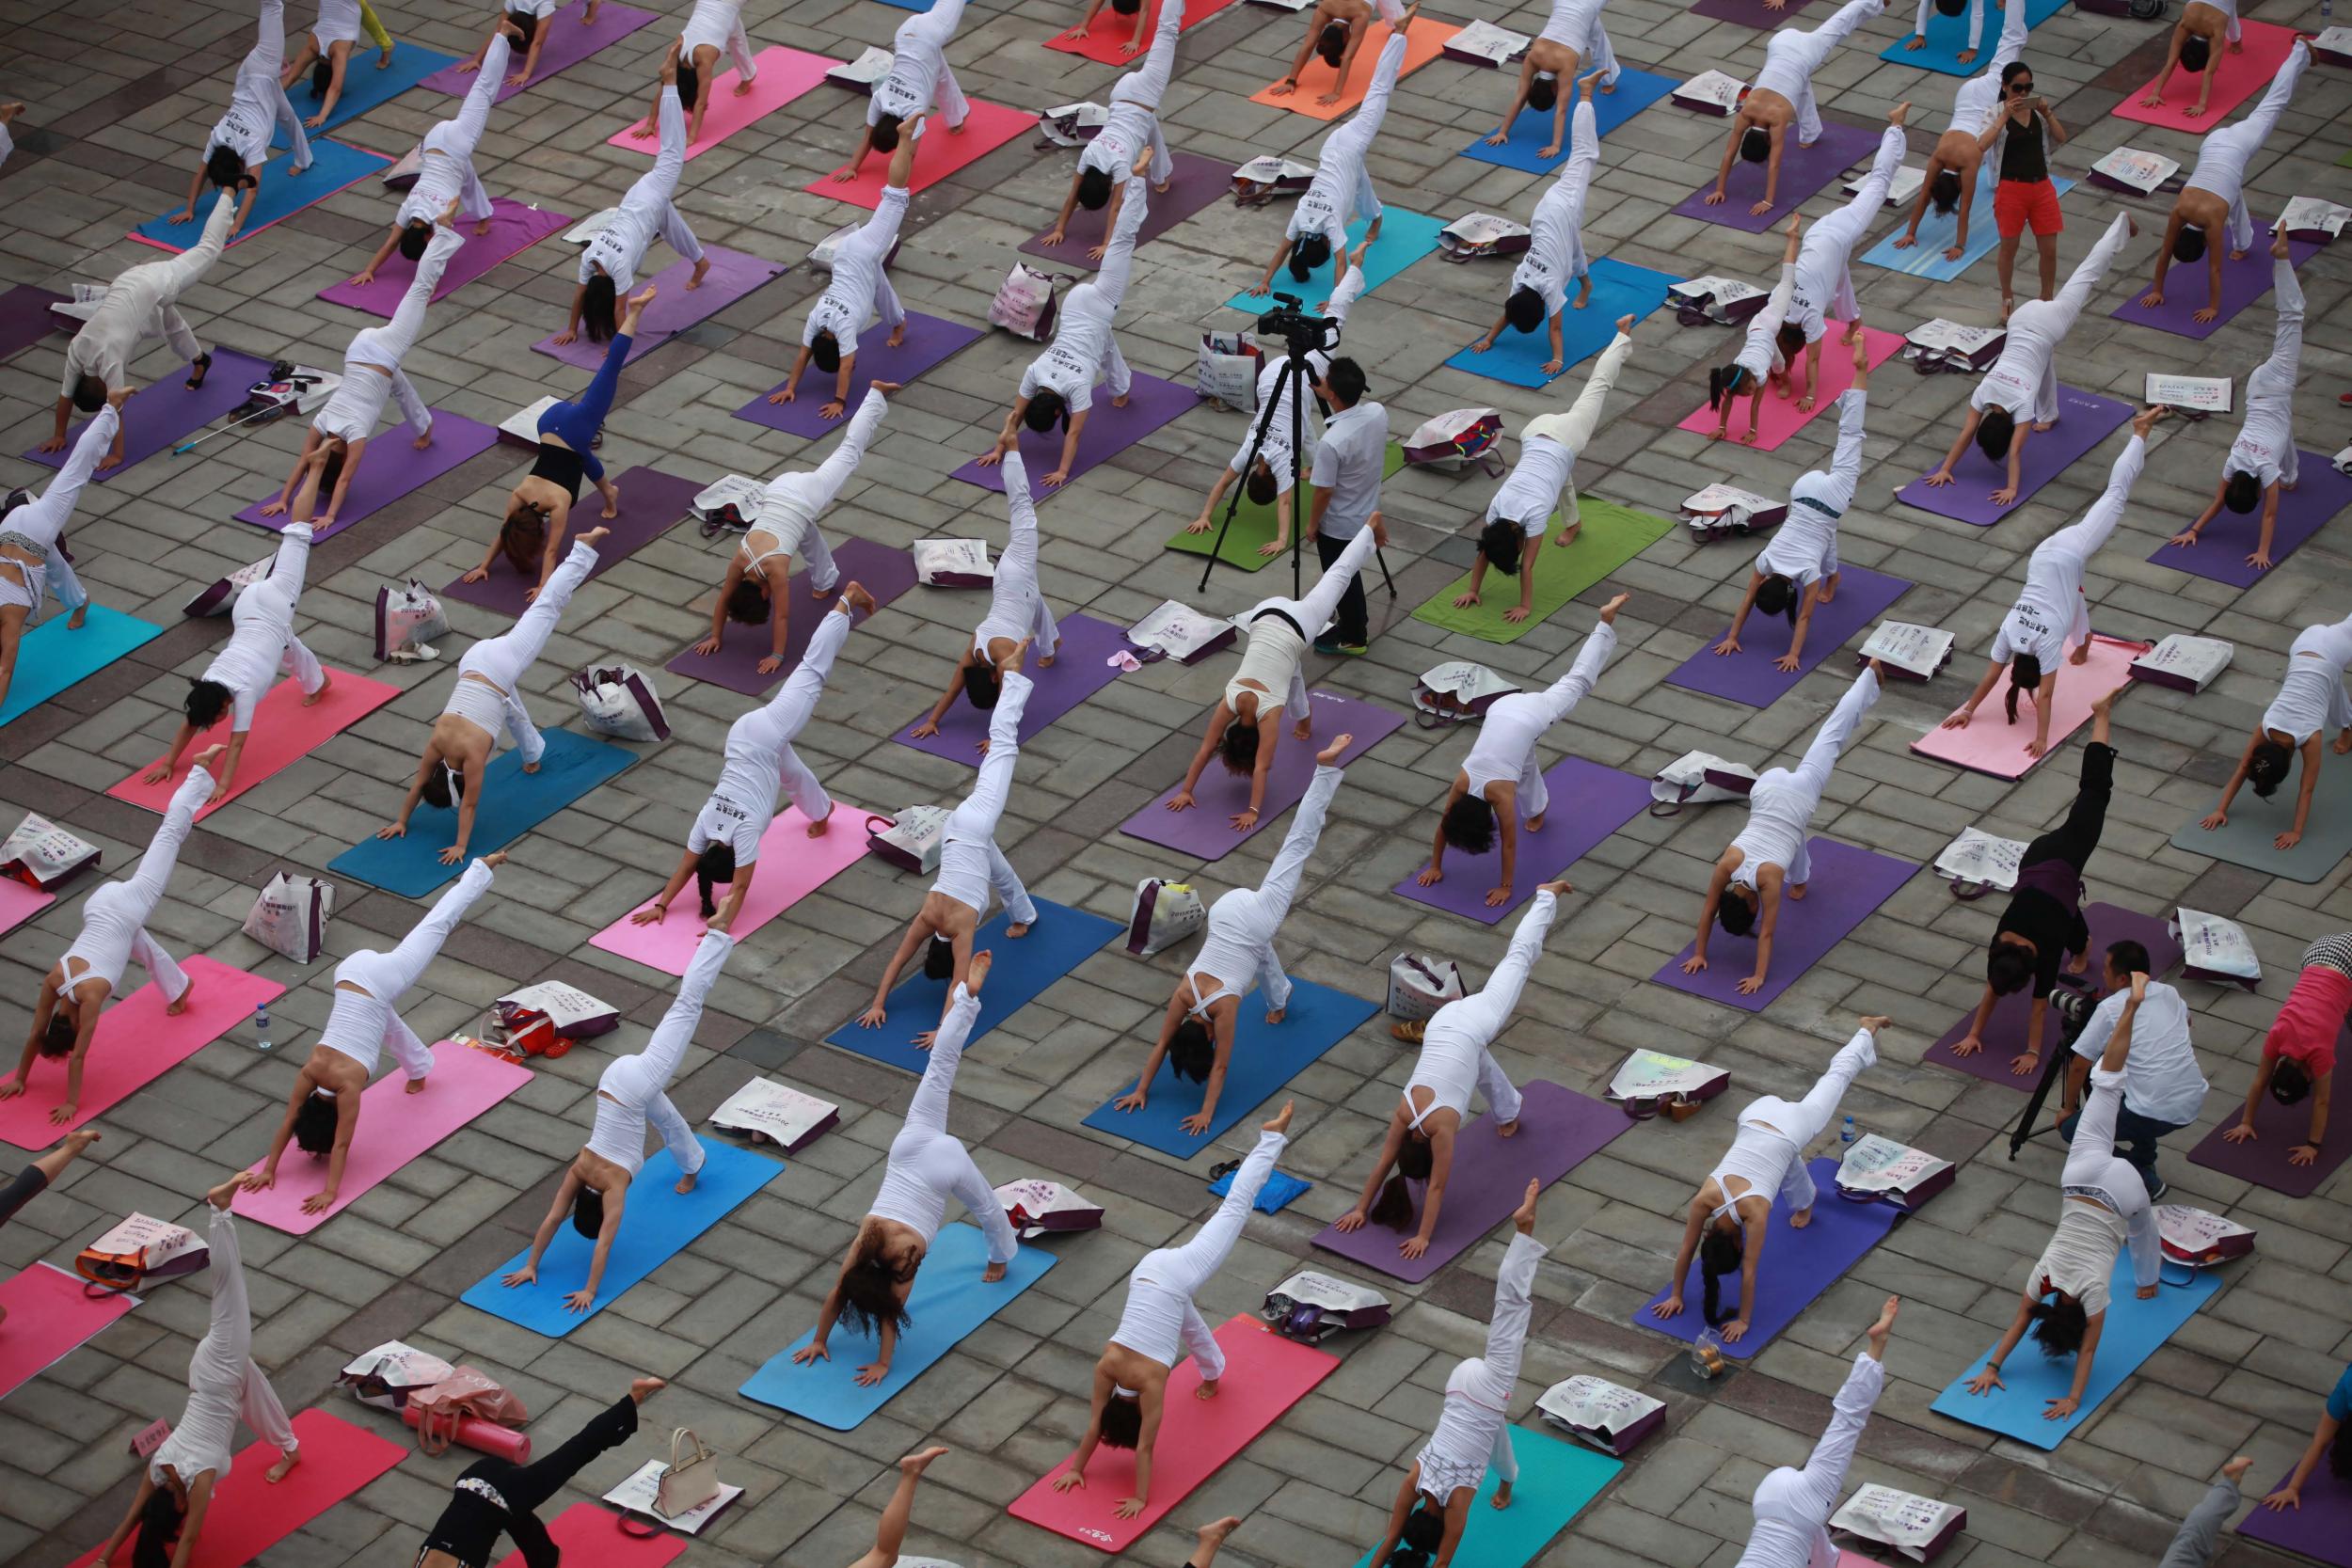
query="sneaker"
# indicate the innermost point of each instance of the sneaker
(2155, 1194)
(1352, 650)
(1327, 645)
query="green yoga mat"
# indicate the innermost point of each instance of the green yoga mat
(1613, 535)
(2247, 838)
(1254, 526)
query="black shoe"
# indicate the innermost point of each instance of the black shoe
(1326, 646)
(2155, 1194)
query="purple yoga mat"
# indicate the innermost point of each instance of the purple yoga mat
(1559, 1130)
(162, 413)
(1078, 672)
(1205, 830)
(2085, 419)
(1109, 431)
(25, 318)
(1196, 186)
(733, 275)
(1803, 170)
(1750, 676)
(2005, 1035)
(2320, 492)
(885, 574)
(651, 503)
(568, 42)
(1797, 1265)
(1849, 885)
(930, 342)
(2186, 290)
(514, 228)
(1588, 803)
(1748, 13)
(392, 468)
(2277, 1129)
(2321, 1528)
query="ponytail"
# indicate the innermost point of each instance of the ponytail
(2025, 678)
(1393, 1209)
(1720, 1253)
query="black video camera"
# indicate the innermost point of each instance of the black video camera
(1300, 331)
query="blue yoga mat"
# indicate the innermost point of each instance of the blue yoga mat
(1266, 1056)
(948, 1303)
(1557, 1479)
(1280, 1192)
(1405, 238)
(2136, 1330)
(1926, 259)
(1061, 940)
(52, 659)
(334, 167)
(364, 87)
(1532, 132)
(657, 1224)
(1618, 287)
(513, 804)
(1947, 34)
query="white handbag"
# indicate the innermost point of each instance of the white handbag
(1070, 124)
(1692, 780)
(619, 700)
(1165, 914)
(216, 596)
(911, 842)
(407, 617)
(1420, 984)
(1228, 370)
(44, 855)
(1024, 305)
(953, 563)
(1483, 234)
(2216, 949)
(1450, 693)
(1180, 632)
(692, 1479)
(290, 916)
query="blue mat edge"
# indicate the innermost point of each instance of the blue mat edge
(1594, 327)
(1563, 1454)
(36, 643)
(1652, 88)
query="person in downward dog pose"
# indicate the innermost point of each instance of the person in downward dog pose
(715, 27)
(327, 53)
(1573, 37)
(531, 17)
(258, 108)
(609, 264)
(2199, 1537)
(2052, 613)
(1456, 1056)
(1204, 1008)
(323, 1111)
(919, 81)
(496, 1497)
(1555, 246)
(1135, 9)
(1017, 616)
(1773, 855)
(858, 288)
(926, 1165)
(1824, 277)
(724, 847)
(1473, 1434)
(447, 187)
(1766, 351)
(2298, 1059)
(1341, 189)
(2335, 1421)
(631, 1092)
(2197, 45)
(2262, 461)
(2311, 702)
(1726, 1225)
(2102, 1208)
(30, 527)
(759, 572)
(1159, 1325)
(1133, 125)
(1953, 167)
(486, 699)
(2210, 214)
(1791, 1506)
(1335, 31)
(1967, 53)
(1501, 778)
(1782, 96)
(2018, 396)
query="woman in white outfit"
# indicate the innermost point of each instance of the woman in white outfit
(1456, 1057)
(1967, 52)
(1237, 951)
(1502, 779)
(487, 699)
(1542, 481)
(715, 27)
(2052, 613)
(179, 1482)
(1791, 1506)
(1018, 615)
(1573, 37)
(1725, 1227)
(926, 1166)
(447, 187)
(859, 288)
(1952, 180)
(1133, 128)
(917, 83)
(2018, 396)
(2103, 1209)
(1782, 97)
(1824, 277)
(30, 526)
(1335, 31)
(1555, 244)
(327, 55)
(1159, 1325)
(531, 17)
(631, 1092)
(1766, 350)
(1342, 191)
(258, 108)
(2311, 702)
(114, 934)
(1772, 854)
(2196, 42)
(609, 264)
(2212, 205)
(2262, 461)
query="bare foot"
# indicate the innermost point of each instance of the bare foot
(327, 684)
(1018, 929)
(1878, 1331)
(1523, 1217)
(286, 1462)
(1281, 1122)
(1212, 1535)
(210, 756)
(219, 1197)
(181, 1006)
(76, 1142)
(416, 1085)
(917, 1463)
(860, 600)
(2235, 1469)
(643, 1388)
(1330, 755)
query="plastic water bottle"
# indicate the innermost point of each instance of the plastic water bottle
(261, 1031)
(1845, 1134)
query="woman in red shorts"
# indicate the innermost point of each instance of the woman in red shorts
(2025, 197)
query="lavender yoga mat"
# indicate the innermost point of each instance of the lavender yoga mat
(2277, 1129)
(885, 574)
(2085, 419)
(929, 342)
(2321, 1528)
(651, 503)
(392, 468)
(1804, 172)
(163, 413)
(1588, 803)
(2005, 1033)
(1750, 676)
(568, 42)
(2186, 290)
(1205, 830)
(514, 228)
(1152, 402)
(25, 318)
(1748, 13)
(1195, 188)
(1849, 885)
(2320, 492)
(732, 276)
(1559, 1130)
(1078, 672)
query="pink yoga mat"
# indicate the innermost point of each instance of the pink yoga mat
(1778, 419)
(393, 468)
(883, 572)
(284, 732)
(1991, 745)
(791, 865)
(137, 1042)
(1105, 42)
(1849, 886)
(588, 1534)
(733, 275)
(784, 75)
(49, 1319)
(652, 503)
(514, 228)
(1265, 1376)
(2085, 419)
(943, 152)
(2189, 289)
(19, 903)
(568, 42)
(2005, 1032)
(395, 1127)
(2242, 76)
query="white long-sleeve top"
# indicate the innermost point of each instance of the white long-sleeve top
(1238, 945)
(1083, 347)
(1791, 1506)
(1803, 548)
(2265, 442)
(2051, 611)
(2312, 698)
(1505, 747)
(634, 1090)
(1473, 1431)
(926, 1165)
(1760, 353)
(1555, 244)
(860, 287)
(140, 300)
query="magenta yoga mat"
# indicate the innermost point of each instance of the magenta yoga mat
(2277, 1129)
(392, 467)
(1195, 188)
(514, 228)
(1206, 829)
(1152, 402)
(2085, 419)
(25, 318)
(929, 342)
(1588, 803)
(1849, 885)
(2005, 1033)
(885, 574)
(2189, 289)
(162, 413)
(733, 276)
(1804, 172)
(2219, 556)
(651, 503)
(1078, 672)
(1750, 676)
(568, 42)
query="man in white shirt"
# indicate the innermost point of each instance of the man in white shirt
(2163, 1087)
(1346, 481)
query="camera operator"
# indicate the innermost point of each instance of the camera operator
(2163, 1088)
(1346, 481)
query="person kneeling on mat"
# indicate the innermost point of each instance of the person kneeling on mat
(2262, 462)
(2163, 1087)
(2300, 1054)
(2333, 1438)
(496, 1497)
(1791, 1506)
(2311, 702)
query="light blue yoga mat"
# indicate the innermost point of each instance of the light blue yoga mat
(1520, 357)
(1926, 257)
(1947, 34)
(513, 804)
(364, 87)
(1281, 1191)
(1405, 238)
(1265, 1058)
(2136, 1330)
(52, 659)
(1532, 132)
(334, 167)
(1557, 1479)
(1061, 940)
(657, 1226)
(948, 1303)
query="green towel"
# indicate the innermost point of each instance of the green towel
(1613, 535)
(1254, 526)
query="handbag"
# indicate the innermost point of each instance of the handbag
(619, 701)
(289, 916)
(1163, 913)
(952, 563)
(408, 617)
(42, 855)
(1456, 441)
(472, 1407)
(1024, 305)
(911, 842)
(1420, 984)
(692, 1479)
(1228, 370)
(140, 1249)
(1450, 693)
(544, 1020)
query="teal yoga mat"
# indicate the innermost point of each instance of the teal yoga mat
(1936, 229)
(1405, 238)
(1557, 1479)
(52, 659)
(364, 87)
(1619, 287)
(1946, 34)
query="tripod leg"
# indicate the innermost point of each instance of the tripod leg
(1294, 372)
(2051, 1070)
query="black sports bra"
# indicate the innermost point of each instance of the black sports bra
(561, 465)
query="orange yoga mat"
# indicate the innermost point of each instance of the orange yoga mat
(1427, 41)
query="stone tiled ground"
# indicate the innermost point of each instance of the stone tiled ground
(120, 99)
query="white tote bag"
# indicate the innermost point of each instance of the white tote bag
(290, 916)
(619, 700)
(216, 596)
(1163, 913)
(1227, 369)
(1420, 983)
(1024, 305)
(911, 842)
(44, 855)
(1451, 692)
(953, 563)
(1181, 633)
(408, 617)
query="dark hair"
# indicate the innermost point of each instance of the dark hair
(825, 349)
(1503, 542)
(588, 1213)
(1094, 189)
(322, 77)
(1261, 486)
(1720, 1252)
(1734, 914)
(886, 133)
(747, 604)
(2059, 1325)
(1332, 42)
(444, 787)
(1309, 252)
(2195, 52)
(89, 394)
(1418, 1541)
(598, 302)
(1524, 310)
(223, 166)
(523, 537)
(2025, 680)
(1238, 746)
(714, 866)
(1724, 383)
(415, 236)
(1126, 7)
(1469, 824)
(2128, 958)
(1346, 380)
(2011, 72)
(1123, 1422)
(1995, 432)
(2291, 1085)
(939, 958)
(980, 685)
(869, 1290)
(690, 82)
(159, 1528)
(14, 499)
(207, 700)
(1046, 409)
(1192, 1051)
(525, 24)
(1789, 340)
(315, 1120)
(1944, 191)
(60, 1038)
(2007, 967)
(1757, 145)
(1542, 93)
(2243, 492)
(2269, 767)
(1393, 1209)
(1951, 8)
(1777, 595)
(1415, 1161)
(2189, 244)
